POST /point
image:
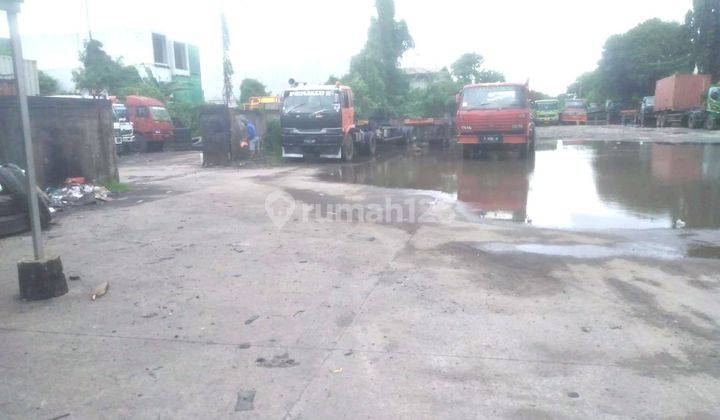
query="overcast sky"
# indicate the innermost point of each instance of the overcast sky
(549, 42)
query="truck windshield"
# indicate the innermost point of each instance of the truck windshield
(120, 112)
(575, 104)
(304, 101)
(159, 113)
(546, 106)
(493, 97)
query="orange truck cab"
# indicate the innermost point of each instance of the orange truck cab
(152, 123)
(320, 121)
(575, 112)
(495, 116)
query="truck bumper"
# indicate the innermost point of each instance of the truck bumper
(321, 145)
(482, 139)
(124, 139)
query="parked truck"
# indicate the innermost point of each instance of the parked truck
(679, 96)
(320, 121)
(708, 117)
(547, 111)
(152, 123)
(122, 127)
(575, 112)
(495, 115)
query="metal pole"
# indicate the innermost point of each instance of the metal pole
(21, 84)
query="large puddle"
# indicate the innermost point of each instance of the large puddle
(570, 185)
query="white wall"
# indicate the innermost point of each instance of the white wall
(58, 55)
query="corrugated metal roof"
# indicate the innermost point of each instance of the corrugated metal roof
(8, 73)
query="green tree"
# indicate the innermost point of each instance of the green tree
(703, 25)
(632, 62)
(468, 69)
(379, 85)
(490, 76)
(100, 72)
(48, 85)
(437, 99)
(250, 88)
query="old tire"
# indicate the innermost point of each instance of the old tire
(348, 148)
(13, 182)
(8, 205)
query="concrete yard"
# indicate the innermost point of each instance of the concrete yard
(585, 285)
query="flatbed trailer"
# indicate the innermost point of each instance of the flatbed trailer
(434, 131)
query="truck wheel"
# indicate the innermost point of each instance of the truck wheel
(155, 146)
(348, 148)
(139, 145)
(524, 150)
(468, 151)
(710, 123)
(372, 145)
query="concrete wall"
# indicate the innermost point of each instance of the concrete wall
(71, 137)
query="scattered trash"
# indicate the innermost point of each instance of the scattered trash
(76, 192)
(74, 278)
(338, 370)
(239, 251)
(586, 329)
(149, 315)
(680, 224)
(298, 312)
(616, 327)
(279, 361)
(573, 395)
(244, 346)
(251, 319)
(245, 400)
(61, 416)
(348, 353)
(100, 290)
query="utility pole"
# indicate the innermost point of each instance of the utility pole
(227, 64)
(40, 278)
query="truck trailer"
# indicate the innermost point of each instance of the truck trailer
(678, 96)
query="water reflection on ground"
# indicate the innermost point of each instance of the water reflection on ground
(569, 185)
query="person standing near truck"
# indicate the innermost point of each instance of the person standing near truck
(252, 138)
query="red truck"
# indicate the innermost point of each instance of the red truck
(152, 123)
(575, 112)
(495, 116)
(679, 95)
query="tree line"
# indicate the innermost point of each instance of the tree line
(632, 62)
(382, 88)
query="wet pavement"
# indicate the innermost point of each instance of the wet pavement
(570, 185)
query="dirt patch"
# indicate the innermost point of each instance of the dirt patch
(645, 306)
(526, 276)
(278, 361)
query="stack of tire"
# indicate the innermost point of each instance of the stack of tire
(14, 214)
